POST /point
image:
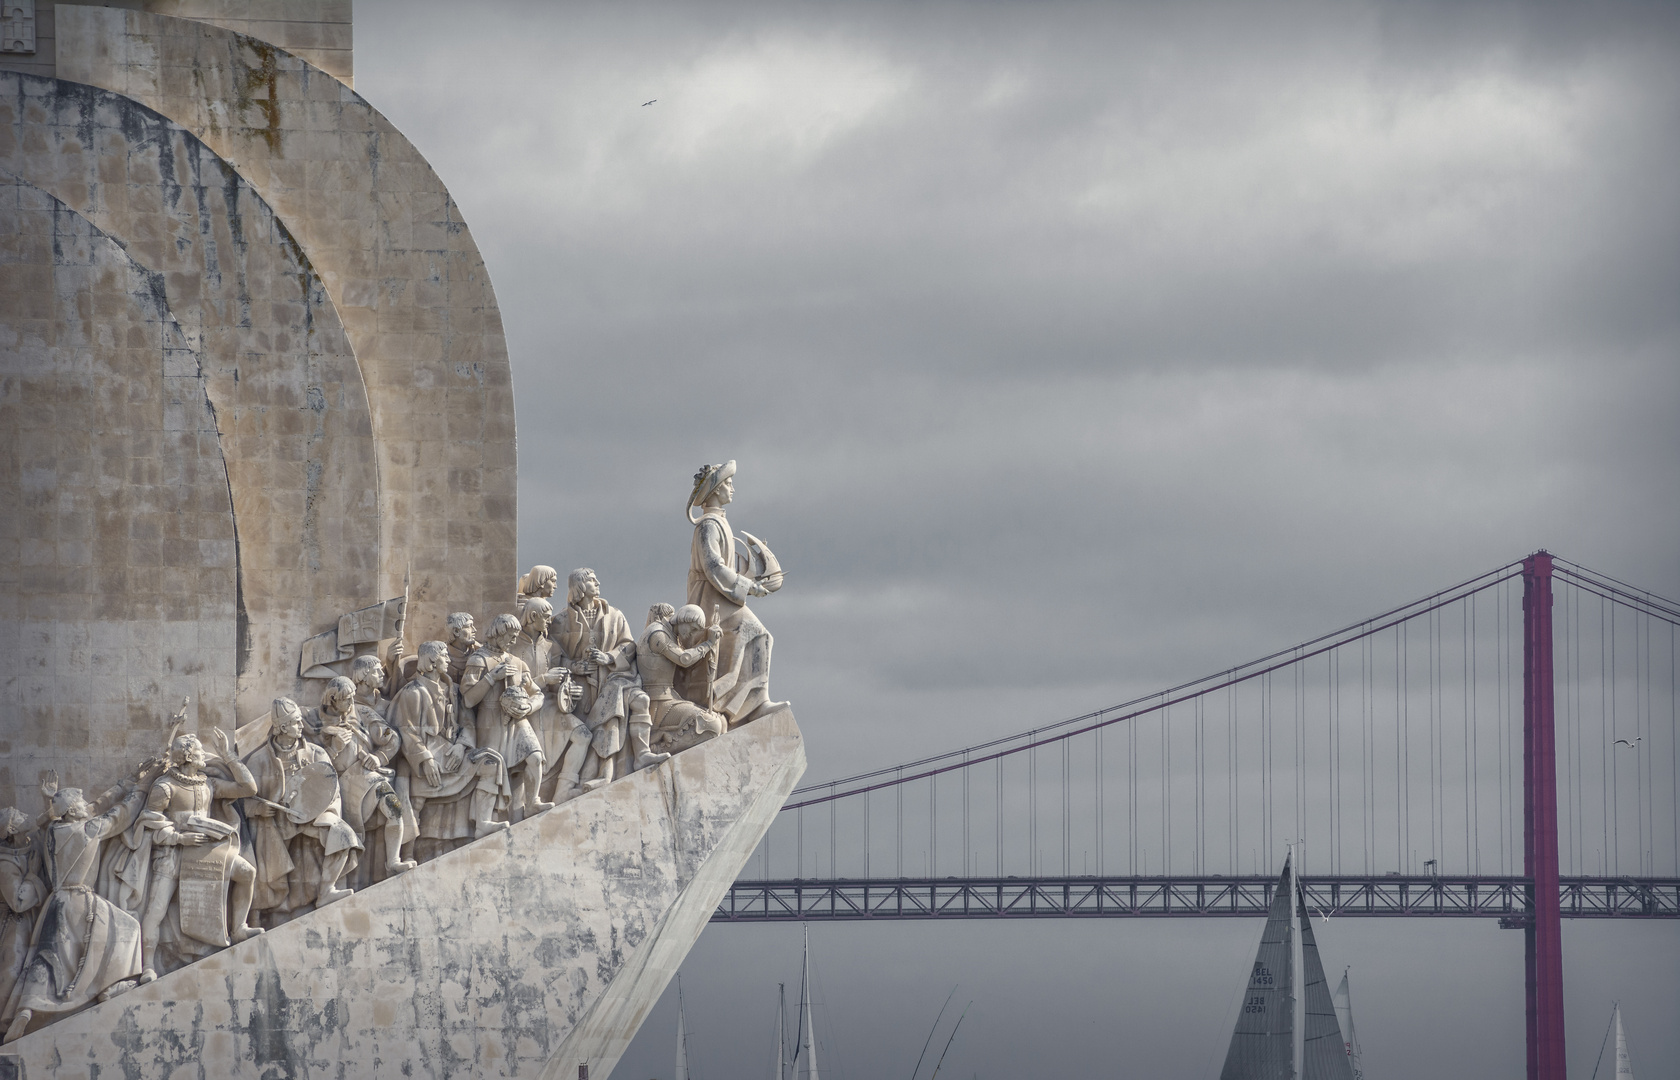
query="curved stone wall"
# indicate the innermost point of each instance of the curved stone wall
(278, 368)
(397, 260)
(118, 592)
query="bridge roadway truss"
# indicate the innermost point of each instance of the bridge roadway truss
(1186, 897)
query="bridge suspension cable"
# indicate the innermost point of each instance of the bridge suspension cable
(1393, 746)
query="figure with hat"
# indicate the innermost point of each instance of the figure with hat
(303, 845)
(599, 649)
(724, 572)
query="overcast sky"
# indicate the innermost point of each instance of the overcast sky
(1070, 351)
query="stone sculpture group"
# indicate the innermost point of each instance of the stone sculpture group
(403, 758)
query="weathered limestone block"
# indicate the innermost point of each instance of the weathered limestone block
(117, 559)
(287, 394)
(398, 262)
(518, 955)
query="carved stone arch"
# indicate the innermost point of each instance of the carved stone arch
(279, 370)
(397, 260)
(118, 595)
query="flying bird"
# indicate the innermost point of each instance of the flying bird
(1322, 913)
(1634, 745)
(650, 101)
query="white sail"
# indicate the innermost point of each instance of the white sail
(1263, 1044)
(808, 1044)
(1624, 1065)
(1323, 1054)
(1343, 1001)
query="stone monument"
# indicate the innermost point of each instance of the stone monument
(416, 818)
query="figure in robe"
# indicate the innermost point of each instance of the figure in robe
(84, 947)
(565, 738)
(361, 746)
(21, 892)
(673, 641)
(721, 577)
(499, 687)
(458, 789)
(303, 845)
(463, 642)
(599, 649)
(196, 866)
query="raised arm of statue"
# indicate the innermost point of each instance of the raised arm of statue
(661, 643)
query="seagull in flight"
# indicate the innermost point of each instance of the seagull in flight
(1321, 913)
(650, 101)
(1634, 745)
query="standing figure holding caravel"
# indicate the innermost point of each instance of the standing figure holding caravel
(721, 577)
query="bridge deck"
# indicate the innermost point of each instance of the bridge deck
(1184, 897)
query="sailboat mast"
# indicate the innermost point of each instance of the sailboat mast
(808, 1048)
(681, 1072)
(781, 1033)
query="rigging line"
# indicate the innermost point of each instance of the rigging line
(1406, 724)
(1067, 816)
(1637, 593)
(998, 806)
(1098, 769)
(1224, 677)
(1032, 811)
(1475, 741)
(1603, 720)
(1233, 821)
(931, 1030)
(1615, 763)
(1645, 611)
(1166, 793)
(1674, 745)
(1399, 758)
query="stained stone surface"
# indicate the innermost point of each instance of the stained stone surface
(398, 263)
(518, 955)
(117, 560)
(287, 393)
(319, 31)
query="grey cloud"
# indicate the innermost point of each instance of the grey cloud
(1070, 351)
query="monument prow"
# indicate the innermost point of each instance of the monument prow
(521, 954)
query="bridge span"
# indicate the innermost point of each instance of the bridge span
(1389, 896)
(1503, 749)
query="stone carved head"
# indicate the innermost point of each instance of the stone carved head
(433, 657)
(13, 823)
(286, 717)
(688, 621)
(660, 612)
(462, 630)
(367, 672)
(582, 585)
(502, 631)
(339, 698)
(714, 485)
(188, 750)
(69, 803)
(538, 614)
(539, 581)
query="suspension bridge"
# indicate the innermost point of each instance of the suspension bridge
(1504, 748)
